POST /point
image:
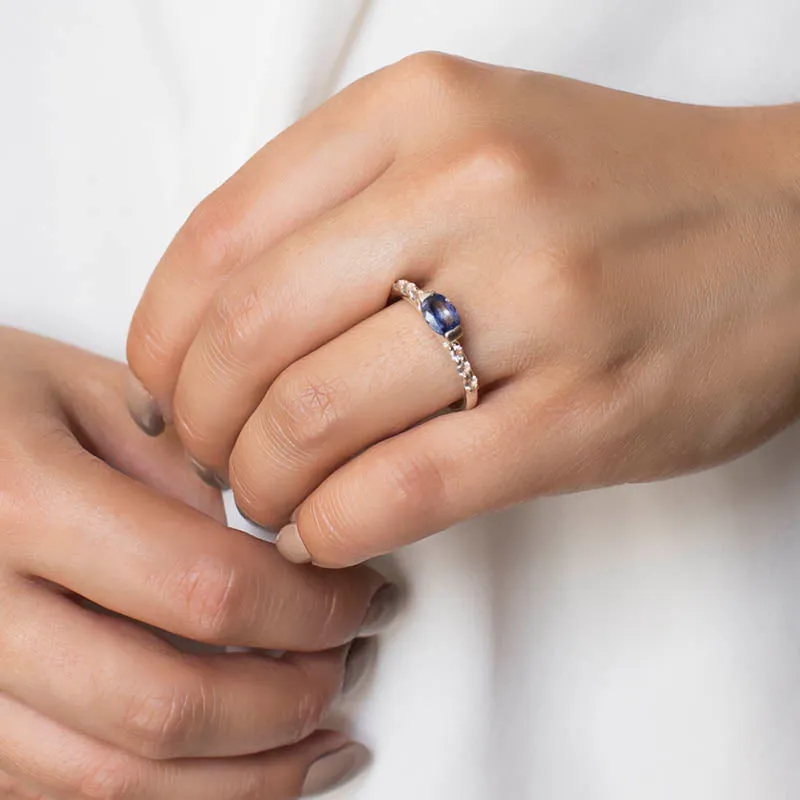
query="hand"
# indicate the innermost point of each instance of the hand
(93, 705)
(627, 271)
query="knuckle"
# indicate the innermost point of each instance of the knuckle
(211, 594)
(430, 70)
(210, 233)
(158, 722)
(112, 777)
(236, 323)
(208, 242)
(306, 409)
(493, 165)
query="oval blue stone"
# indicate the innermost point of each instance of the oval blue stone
(440, 314)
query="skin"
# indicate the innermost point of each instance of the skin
(627, 271)
(100, 526)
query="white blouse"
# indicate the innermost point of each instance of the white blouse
(639, 643)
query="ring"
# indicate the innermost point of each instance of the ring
(445, 321)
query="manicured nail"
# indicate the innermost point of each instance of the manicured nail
(360, 659)
(291, 546)
(383, 608)
(335, 769)
(265, 534)
(209, 476)
(142, 407)
(246, 517)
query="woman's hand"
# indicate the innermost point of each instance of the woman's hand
(627, 271)
(93, 705)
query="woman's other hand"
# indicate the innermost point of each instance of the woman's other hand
(94, 705)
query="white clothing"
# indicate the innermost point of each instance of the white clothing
(628, 644)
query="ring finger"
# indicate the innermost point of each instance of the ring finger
(283, 305)
(377, 379)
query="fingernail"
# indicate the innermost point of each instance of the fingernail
(209, 476)
(142, 407)
(360, 659)
(383, 608)
(291, 546)
(246, 517)
(335, 769)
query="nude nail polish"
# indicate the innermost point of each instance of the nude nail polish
(383, 609)
(143, 407)
(290, 545)
(361, 658)
(247, 517)
(335, 769)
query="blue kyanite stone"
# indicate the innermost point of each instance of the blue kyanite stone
(440, 314)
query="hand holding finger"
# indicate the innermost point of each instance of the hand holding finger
(95, 518)
(61, 763)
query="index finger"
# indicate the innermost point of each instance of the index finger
(318, 163)
(152, 558)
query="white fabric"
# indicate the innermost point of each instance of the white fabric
(619, 645)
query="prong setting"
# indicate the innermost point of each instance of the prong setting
(445, 321)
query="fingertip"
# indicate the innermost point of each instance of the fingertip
(304, 541)
(336, 769)
(384, 608)
(209, 476)
(291, 546)
(143, 407)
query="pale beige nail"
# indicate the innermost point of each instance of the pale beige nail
(383, 608)
(291, 546)
(335, 769)
(360, 660)
(142, 407)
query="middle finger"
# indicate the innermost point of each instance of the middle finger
(294, 298)
(376, 380)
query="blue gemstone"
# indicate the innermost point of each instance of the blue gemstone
(440, 314)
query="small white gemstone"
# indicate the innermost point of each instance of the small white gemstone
(406, 288)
